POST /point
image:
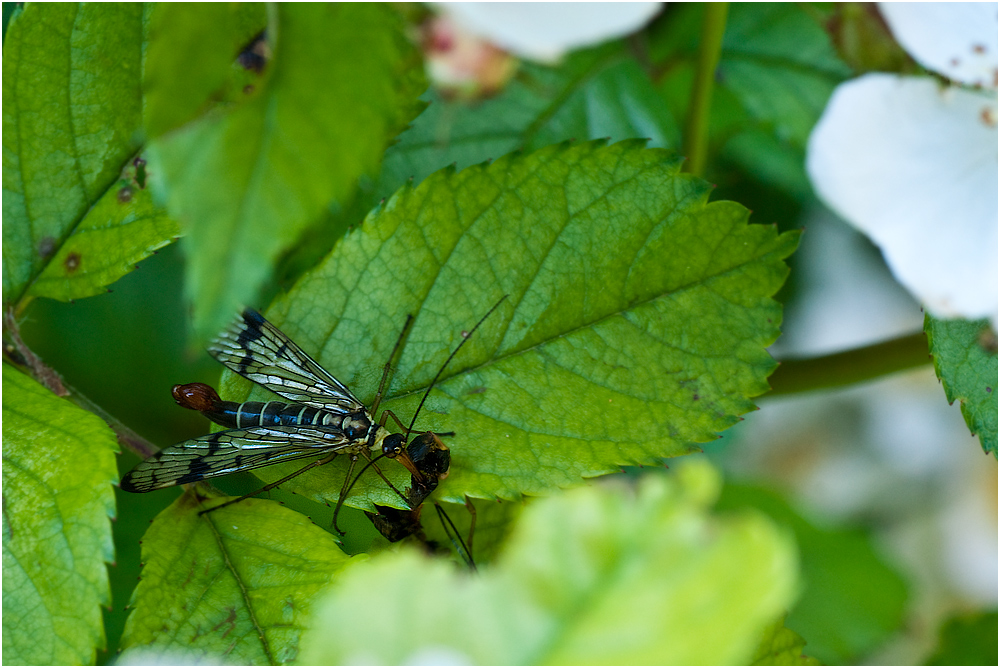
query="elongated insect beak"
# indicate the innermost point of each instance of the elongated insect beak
(405, 459)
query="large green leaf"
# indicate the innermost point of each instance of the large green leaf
(122, 228)
(247, 183)
(230, 586)
(965, 359)
(603, 575)
(71, 115)
(852, 600)
(58, 471)
(635, 326)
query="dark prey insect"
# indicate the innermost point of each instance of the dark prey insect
(323, 419)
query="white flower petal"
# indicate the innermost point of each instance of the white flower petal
(956, 39)
(915, 168)
(545, 30)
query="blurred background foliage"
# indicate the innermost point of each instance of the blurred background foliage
(892, 505)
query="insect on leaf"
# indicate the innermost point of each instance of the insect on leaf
(636, 323)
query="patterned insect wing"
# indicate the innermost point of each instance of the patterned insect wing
(229, 451)
(260, 352)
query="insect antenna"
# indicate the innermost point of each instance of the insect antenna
(465, 337)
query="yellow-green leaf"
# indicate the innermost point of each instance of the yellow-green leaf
(58, 471)
(230, 586)
(606, 575)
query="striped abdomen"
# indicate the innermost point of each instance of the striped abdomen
(204, 399)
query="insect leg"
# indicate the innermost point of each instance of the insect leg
(393, 416)
(268, 487)
(343, 493)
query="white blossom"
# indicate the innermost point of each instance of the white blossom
(913, 164)
(544, 31)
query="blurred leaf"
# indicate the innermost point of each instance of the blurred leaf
(122, 228)
(781, 647)
(192, 47)
(852, 600)
(58, 471)
(965, 359)
(601, 575)
(777, 70)
(230, 586)
(594, 94)
(248, 182)
(636, 323)
(967, 640)
(781, 65)
(71, 117)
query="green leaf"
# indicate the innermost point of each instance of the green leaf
(781, 647)
(248, 182)
(967, 640)
(852, 600)
(594, 94)
(121, 229)
(58, 471)
(776, 71)
(71, 115)
(780, 64)
(191, 50)
(965, 359)
(230, 586)
(602, 575)
(635, 326)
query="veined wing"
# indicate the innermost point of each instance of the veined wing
(259, 351)
(229, 451)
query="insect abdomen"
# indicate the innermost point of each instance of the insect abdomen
(204, 399)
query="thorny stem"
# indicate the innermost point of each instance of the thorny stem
(850, 366)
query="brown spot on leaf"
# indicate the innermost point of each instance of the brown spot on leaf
(72, 262)
(125, 195)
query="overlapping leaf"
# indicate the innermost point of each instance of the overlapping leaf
(121, 229)
(233, 586)
(247, 183)
(965, 359)
(71, 115)
(603, 575)
(58, 469)
(635, 324)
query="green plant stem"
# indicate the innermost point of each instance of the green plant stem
(709, 50)
(850, 366)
